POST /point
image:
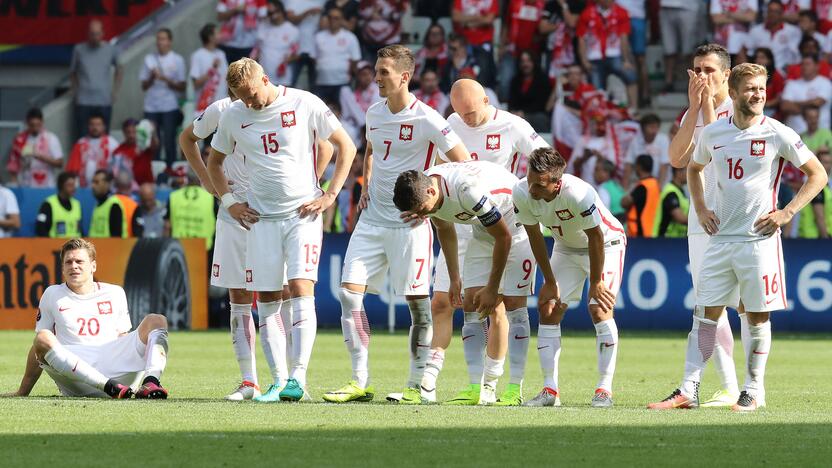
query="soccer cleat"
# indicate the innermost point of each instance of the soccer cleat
(468, 397)
(512, 396)
(546, 397)
(272, 395)
(151, 391)
(246, 391)
(121, 392)
(721, 398)
(292, 391)
(411, 396)
(488, 395)
(676, 400)
(746, 402)
(350, 392)
(601, 399)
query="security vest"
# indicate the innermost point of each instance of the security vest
(806, 226)
(100, 223)
(674, 229)
(65, 223)
(616, 192)
(648, 214)
(192, 214)
(129, 206)
(337, 222)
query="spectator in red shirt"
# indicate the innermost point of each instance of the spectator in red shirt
(775, 84)
(434, 52)
(823, 8)
(380, 23)
(430, 94)
(519, 33)
(128, 157)
(604, 46)
(473, 19)
(809, 46)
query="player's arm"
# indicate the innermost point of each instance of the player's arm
(487, 298)
(325, 152)
(816, 179)
(681, 146)
(30, 376)
(364, 200)
(343, 164)
(707, 218)
(188, 142)
(597, 288)
(446, 234)
(239, 211)
(549, 294)
(457, 153)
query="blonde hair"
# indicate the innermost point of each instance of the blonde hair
(402, 57)
(744, 71)
(242, 72)
(78, 244)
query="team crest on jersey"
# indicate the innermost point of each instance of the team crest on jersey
(406, 132)
(249, 278)
(758, 147)
(216, 270)
(722, 115)
(492, 142)
(564, 215)
(287, 119)
(105, 308)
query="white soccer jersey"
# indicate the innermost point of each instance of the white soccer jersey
(501, 139)
(724, 111)
(279, 146)
(401, 142)
(474, 192)
(91, 319)
(748, 165)
(576, 208)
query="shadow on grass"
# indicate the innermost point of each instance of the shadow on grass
(329, 444)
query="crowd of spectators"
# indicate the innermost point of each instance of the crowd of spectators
(550, 61)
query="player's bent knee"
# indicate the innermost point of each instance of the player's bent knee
(599, 315)
(155, 321)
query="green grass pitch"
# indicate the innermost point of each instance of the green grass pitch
(196, 428)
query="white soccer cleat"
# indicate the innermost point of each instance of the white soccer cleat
(246, 391)
(722, 398)
(602, 399)
(488, 395)
(395, 397)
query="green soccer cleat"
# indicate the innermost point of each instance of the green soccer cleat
(350, 392)
(722, 398)
(272, 395)
(468, 397)
(512, 396)
(411, 396)
(292, 391)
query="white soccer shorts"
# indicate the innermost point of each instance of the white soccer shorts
(121, 359)
(697, 245)
(519, 275)
(755, 267)
(284, 248)
(406, 251)
(572, 270)
(228, 269)
(441, 279)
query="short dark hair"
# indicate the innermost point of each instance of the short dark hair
(607, 166)
(63, 177)
(410, 190)
(279, 6)
(166, 31)
(402, 57)
(715, 49)
(108, 176)
(650, 119)
(812, 57)
(547, 161)
(34, 113)
(645, 163)
(96, 115)
(206, 32)
(808, 14)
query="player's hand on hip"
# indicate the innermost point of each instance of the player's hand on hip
(316, 206)
(455, 292)
(243, 214)
(769, 223)
(485, 301)
(363, 201)
(709, 222)
(603, 296)
(413, 219)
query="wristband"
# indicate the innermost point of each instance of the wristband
(227, 200)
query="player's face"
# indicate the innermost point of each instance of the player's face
(78, 267)
(751, 95)
(388, 79)
(472, 111)
(255, 95)
(711, 67)
(543, 186)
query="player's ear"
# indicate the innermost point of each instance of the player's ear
(94, 266)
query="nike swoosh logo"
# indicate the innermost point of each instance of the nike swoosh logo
(309, 269)
(518, 337)
(521, 286)
(416, 286)
(542, 347)
(422, 346)
(61, 309)
(426, 390)
(608, 345)
(755, 352)
(373, 128)
(770, 301)
(716, 147)
(76, 366)
(246, 125)
(299, 321)
(466, 337)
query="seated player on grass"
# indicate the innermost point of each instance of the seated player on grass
(83, 338)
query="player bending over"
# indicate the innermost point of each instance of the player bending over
(747, 152)
(589, 242)
(84, 341)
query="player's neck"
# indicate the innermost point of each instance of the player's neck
(272, 94)
(82, 289)
(720, 98)
(440, 196)
(743, 120)
(398, 101)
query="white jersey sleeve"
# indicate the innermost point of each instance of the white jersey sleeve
(701, 153)
(792, 148)
(589, 216)
(439, 132)
(46, 311)
(223, 140)
(207, 122)
(474, 198)
(123, 323)
(524, 137)
(522, 211)
(323, 120)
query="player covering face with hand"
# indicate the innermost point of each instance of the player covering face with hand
(589, 243)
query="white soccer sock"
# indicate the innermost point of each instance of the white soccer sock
(607, 341)
(745, 335)
(474, 338)
(548, 348)
(518, 343)
(432, 369)
(72, 367)
(493, 371)
(724, 355)
(273, 339)
(757, 358)
(701, 342)
(421, 333)
(304, 329)
(286, 320)
(156, 353)
(242, 337)
(356, 331)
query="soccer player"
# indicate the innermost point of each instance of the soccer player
(709, 101)
(84, 341)
(748, 152)
(402, 134)
(228, 265)
(497, 262)
(277, 129)
(499, 137)
(589, 242)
